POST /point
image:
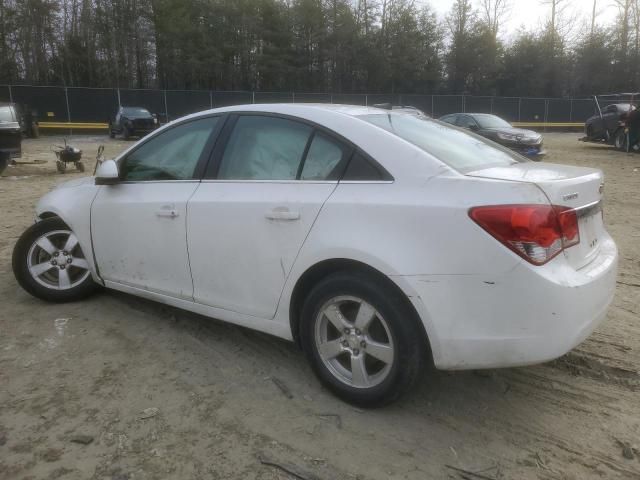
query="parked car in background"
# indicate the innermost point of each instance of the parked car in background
(525, 142)
(408, 109)
(379, 241)
(133, 122)
(609, 127)
(10, 135)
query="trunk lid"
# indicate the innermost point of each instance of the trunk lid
(579, 188)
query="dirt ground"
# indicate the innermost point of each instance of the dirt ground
(118, 388)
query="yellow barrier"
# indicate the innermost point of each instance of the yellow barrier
(542, 124)
(74, 125)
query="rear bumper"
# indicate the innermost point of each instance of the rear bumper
(140, 131)
(526, 316)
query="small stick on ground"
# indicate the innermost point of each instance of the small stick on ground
(283, 388)
(332, 415)
(288, 468)
(469, 472)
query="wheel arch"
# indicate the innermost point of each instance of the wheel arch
(321, 269)
(48, 214)
(72, 206)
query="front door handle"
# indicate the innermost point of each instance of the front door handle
(168, 211)
(282, 213)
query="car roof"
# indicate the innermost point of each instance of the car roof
(297, 109)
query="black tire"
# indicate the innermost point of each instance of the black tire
(5, 159)
(61, 166)
(80, 166)
(23, 250)
(112, 133)
(620, 140)
(407, 337)
(127, 133)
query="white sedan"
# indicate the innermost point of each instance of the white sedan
(378, 241)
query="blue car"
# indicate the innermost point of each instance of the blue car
(525, 142)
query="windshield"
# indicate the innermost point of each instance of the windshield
(136, 111)
(6, 115)
(457, 148)
(491, 121)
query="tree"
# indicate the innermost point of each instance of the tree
(460, 62)
(493, 14)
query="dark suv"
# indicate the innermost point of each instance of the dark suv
(15, 123)
(132, 122)
(607, 127)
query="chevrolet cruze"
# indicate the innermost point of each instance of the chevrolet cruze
(378, 241)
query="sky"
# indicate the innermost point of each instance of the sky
(531, 14)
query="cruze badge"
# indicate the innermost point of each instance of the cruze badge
(570, 196)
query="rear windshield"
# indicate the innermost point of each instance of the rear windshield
(6, 114)
(143, 112)
(457, 148)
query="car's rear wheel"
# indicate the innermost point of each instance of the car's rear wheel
(49, 263)
(127, 133)
(361, 339)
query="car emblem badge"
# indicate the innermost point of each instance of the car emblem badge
(601, 189)
(570, 196)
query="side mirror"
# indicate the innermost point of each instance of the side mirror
(107, 173)
(474, 127)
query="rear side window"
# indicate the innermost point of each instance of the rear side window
(465, 121)
(361, 169)
(264, 148)
(449, 119)
(459, 149)
(323, 160)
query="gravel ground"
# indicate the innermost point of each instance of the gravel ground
(118, 388)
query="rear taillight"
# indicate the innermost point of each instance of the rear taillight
(535, 232)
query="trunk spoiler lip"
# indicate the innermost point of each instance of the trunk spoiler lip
(589, 209)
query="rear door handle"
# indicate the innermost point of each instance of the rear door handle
(168, 211)
(281, 213)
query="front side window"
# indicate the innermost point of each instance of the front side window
(264, 148)
(171, 155)
(454, 147)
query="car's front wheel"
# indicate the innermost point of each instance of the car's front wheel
(620, 140)
(362, 339)
(49, 263)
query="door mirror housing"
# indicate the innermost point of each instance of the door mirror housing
(474, 127)
(107, 173)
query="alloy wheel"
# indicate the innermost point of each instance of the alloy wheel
(354, 342)
(56, 261)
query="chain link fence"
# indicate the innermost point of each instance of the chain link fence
(98, 105)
